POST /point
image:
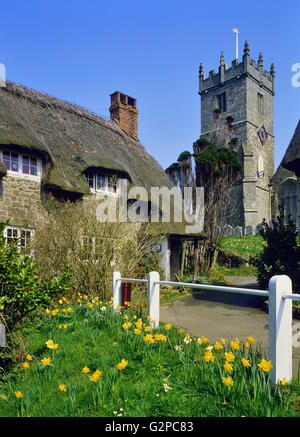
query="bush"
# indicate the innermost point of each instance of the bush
(281, 255)
(150, 262)
(92, 249)
(20, 288)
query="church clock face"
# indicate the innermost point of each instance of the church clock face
(263, 136)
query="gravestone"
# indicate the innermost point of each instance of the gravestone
(249, 230)
(2, 335)
(228, 230)
(259, 227)
(238, 231)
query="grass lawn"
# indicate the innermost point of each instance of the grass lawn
(112, 364)
(250, 244)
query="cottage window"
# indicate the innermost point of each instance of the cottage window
(29, 165)
(11, 160)
(102, 182)
(21, 165)
(22, 237)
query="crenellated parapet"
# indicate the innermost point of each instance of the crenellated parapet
(247, 67)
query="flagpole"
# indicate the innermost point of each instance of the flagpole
(236, 31)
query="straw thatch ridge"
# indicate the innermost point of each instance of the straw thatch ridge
(291, 159)
(71, 139)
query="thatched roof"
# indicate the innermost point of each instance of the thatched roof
(291, 159)
(71, 139)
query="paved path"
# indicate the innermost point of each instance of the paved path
(216, 314)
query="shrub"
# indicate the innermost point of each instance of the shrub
(281, 255)
(92, 249)
(150, 262)
(20, 288)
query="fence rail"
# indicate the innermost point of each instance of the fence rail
(280, 313)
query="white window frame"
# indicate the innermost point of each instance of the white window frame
(19, 231)
(106, 189)
(19, 173)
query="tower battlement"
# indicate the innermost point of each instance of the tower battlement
(247, 67)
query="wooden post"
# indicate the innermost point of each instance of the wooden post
(280, 328)
(153, 298)
(116, 290)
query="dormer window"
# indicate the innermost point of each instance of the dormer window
(22, 165)
(102, 182)
(11, 160)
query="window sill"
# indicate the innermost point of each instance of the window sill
(24, 176)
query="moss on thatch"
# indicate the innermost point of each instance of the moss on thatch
(72, 139)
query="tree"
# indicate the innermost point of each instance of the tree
(215, 166)
(281, 254)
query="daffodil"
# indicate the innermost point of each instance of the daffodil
(122, 364)
(265, 366)
(149, 339)
(28, 357)
(25, 365)
(208, 356)
(228, 381)
(96, 375)
(85, 369)
(245, 362)
(18, 394)
(46, 361)
(235, 345)
(62, 387)
(218, 345)
(229, 356)
(228, 367)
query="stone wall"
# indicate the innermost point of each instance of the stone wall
(20, 201)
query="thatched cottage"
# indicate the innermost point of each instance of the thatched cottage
(51, 146)
(286, 182)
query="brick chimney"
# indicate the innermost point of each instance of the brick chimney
(123, 109)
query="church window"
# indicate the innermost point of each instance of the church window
(288, 201)
(221, 102)
(260, 104)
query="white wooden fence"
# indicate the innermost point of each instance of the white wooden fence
(280, 297)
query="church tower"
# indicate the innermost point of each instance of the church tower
(242, 96)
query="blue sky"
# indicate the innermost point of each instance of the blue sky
(82, 51)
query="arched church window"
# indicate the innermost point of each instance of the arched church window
(288, 200)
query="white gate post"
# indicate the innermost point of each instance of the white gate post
(116, 289)
(280, 328)
(153, 298)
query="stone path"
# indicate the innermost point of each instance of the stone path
(216, 314)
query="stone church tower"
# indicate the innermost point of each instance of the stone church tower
(242, 95)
